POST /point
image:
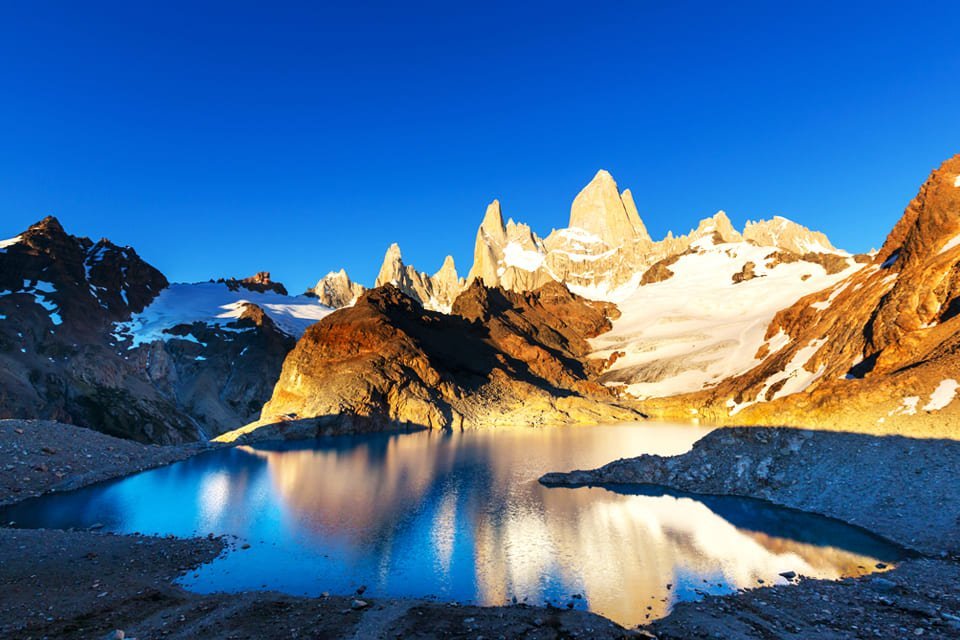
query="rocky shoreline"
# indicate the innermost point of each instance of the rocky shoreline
(80, 584)
(901, 488)
(92, 584)
(41, 456)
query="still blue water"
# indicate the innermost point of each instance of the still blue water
(461, 516)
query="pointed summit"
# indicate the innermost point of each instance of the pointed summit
(336, 290)
(448, 267)
(492, 224)
(49, 227)
(446, 285)
(391, 271)
(599, 210)
(49, 223)
(719, 226)
(488, 248)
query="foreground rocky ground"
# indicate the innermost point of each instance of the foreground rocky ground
(37, 456)
(79, 584)
(901, 488)
(90, 584)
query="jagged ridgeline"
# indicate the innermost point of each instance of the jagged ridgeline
(595, 322)
(91, 334)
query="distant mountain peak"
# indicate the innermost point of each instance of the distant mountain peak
(49, 224)
(337, 290)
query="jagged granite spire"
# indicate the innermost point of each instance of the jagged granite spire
(599, 209)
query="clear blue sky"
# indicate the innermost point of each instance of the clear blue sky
(220, 139)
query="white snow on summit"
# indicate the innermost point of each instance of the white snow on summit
(215, 303)
(698, 327)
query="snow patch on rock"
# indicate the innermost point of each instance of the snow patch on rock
(951, 243)
(794, 378)
(825, 304)
(908, 407)
(515, 255)
(215, 303)
(942, 395)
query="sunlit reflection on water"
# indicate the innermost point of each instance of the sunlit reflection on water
(461, 517)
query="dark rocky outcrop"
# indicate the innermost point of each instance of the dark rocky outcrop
(659, 271)
(259, 282)
(747, 273)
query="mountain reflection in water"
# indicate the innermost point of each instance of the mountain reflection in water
(461, 516)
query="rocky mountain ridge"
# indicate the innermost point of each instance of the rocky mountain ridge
(605, 251)
(602, 254)
(88, 336)
(769, 324)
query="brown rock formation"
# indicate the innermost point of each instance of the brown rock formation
(659, 271)
(259, 282)
(747, 273)
(499, 357)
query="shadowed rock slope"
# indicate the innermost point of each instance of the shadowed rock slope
(498, 358)
(62, 356)
(878, 351)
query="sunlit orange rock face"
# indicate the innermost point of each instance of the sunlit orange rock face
(498, 357)
(876, 352)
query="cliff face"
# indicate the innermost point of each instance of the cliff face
(878, 350)
(498, 357)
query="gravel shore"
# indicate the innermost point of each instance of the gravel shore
(904, 489)
(39, 456)
(90, 584)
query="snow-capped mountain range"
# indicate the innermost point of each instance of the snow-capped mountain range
(687, 320)
(716, 323)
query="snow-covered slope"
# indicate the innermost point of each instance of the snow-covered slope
(215, 303)
(701, 325)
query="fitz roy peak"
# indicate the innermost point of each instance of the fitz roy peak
(601, 210)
